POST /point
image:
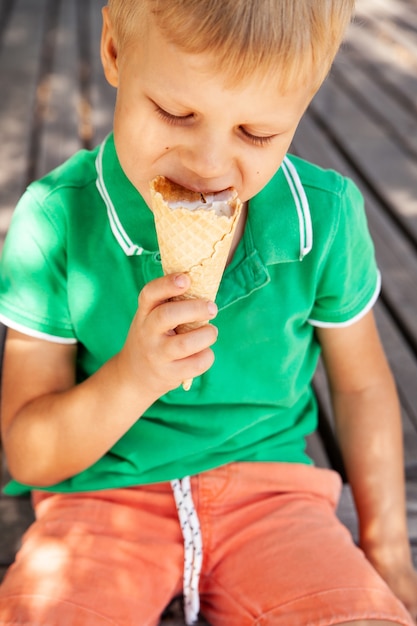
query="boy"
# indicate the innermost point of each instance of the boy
(94, 418)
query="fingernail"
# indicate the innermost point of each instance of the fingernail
(180, 280)
(212, 309)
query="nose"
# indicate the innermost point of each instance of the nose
(208, 156)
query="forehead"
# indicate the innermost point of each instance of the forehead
(235, 71)
(184, 82)
(288, 59)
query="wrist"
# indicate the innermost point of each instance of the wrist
(133, 388)
(388, 553)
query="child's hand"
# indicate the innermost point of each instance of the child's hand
(48, 419)
(154, 355)
(404, 585)
(402, 580)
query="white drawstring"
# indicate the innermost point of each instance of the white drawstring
(193, 547)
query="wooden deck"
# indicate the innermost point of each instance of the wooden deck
(363, 122)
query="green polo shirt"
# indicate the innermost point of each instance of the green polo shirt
(81, 246)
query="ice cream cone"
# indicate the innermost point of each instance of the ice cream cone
(195, 232)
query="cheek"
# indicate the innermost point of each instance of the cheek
(137, 140)
(258, 173)
(273, 160)
(139, 155)
(132, 118)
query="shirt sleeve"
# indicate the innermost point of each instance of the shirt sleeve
(33, 286)
(349, 281)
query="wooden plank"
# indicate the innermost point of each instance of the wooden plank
(378, 160)
(84, 46)
(395, 254)
(400, 362)
(16, 515)
(59, 132)
(404, 367)
(20, 54)
(390, 173)
(393, 19)
(2, 458)
(5, 12)
(316, 451)
(174, 615)
(346, 509)
(103, 96)
(385, 62)
(346, 512)
(379, 102)
(397, 259)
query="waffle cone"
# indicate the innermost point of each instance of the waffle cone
(196, 242)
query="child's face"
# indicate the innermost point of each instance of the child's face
(175, 117)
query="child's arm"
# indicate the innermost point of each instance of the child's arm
(53, 428)
(369, 430)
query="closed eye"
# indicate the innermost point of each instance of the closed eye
(257, 140)
(173, 119)
(182, 120)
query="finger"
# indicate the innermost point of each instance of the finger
(170, 315)
(195, 365)
(161, 290)
(187, 344)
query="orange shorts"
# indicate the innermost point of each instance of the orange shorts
(274, 554)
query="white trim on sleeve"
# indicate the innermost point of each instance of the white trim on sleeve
(35, 333)
(357, 317)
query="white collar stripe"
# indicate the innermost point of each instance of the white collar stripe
(129, 248)
(302, 206)
(291, 175)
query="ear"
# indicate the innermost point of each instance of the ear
(108, 50)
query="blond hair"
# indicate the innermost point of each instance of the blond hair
(294, 39)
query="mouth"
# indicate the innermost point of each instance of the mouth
(176, 196)
(204, 191)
